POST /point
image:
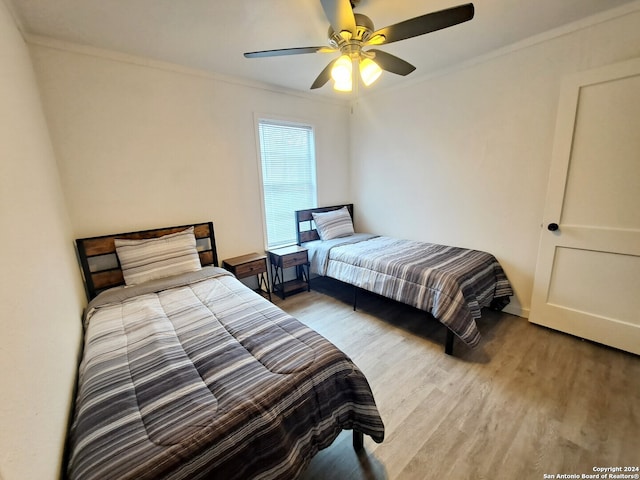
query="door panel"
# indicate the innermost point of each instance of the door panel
(617, 275)
(602, 137)
(587, 280)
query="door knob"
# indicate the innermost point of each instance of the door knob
(552, 227)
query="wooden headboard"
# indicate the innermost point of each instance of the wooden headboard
(100, 265)
(305, 227)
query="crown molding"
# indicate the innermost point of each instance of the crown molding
(569, 28)
(115, 56)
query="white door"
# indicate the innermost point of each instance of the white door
(587, 280)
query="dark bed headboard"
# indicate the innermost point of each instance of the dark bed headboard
(100, 265)
(305, 227)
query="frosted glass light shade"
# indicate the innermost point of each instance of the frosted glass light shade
(343, 86)
(341, 71)
(369, 71)
(342, 74)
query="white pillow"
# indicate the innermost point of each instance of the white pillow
(333, 224)
(149, 259)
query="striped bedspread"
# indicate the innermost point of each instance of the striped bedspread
(197, 376)
(451, 283)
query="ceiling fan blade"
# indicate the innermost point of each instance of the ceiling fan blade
(427, 23)
(340, 15)
(324, 76)
(285, 51)
(391, 63)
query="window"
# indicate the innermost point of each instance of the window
(287, 152)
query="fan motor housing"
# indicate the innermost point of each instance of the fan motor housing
(364, 29)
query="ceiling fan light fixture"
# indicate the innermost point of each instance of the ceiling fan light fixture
(369, 71)
(351, 32)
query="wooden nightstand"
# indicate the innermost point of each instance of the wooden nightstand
(288, 257)
(248, 266)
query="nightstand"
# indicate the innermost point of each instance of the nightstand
(288, 257)
(248, 266)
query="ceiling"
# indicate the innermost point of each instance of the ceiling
(211, 35)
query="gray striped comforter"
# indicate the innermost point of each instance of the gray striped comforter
(199, 377)
(451, 283)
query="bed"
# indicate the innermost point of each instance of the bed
(453, 284)
(187, 373)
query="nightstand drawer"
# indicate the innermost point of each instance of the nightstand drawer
(251, 268)
(294, 259)
(250, 265)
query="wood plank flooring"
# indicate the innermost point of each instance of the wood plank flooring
(527, 402)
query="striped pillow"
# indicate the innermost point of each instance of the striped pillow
(333, 224)
(149, 259)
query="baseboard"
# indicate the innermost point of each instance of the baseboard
(516, 310)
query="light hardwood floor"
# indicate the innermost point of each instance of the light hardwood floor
(527, 402)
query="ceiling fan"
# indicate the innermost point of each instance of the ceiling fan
(350, 33)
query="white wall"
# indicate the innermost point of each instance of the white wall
(142, 144)
(41, 296)
(463, 158)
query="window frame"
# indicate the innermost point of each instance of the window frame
(284, 121)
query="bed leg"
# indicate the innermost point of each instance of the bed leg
(358, 441)
(448, 343)
(355, 297)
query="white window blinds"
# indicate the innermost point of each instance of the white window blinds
(287, 152)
